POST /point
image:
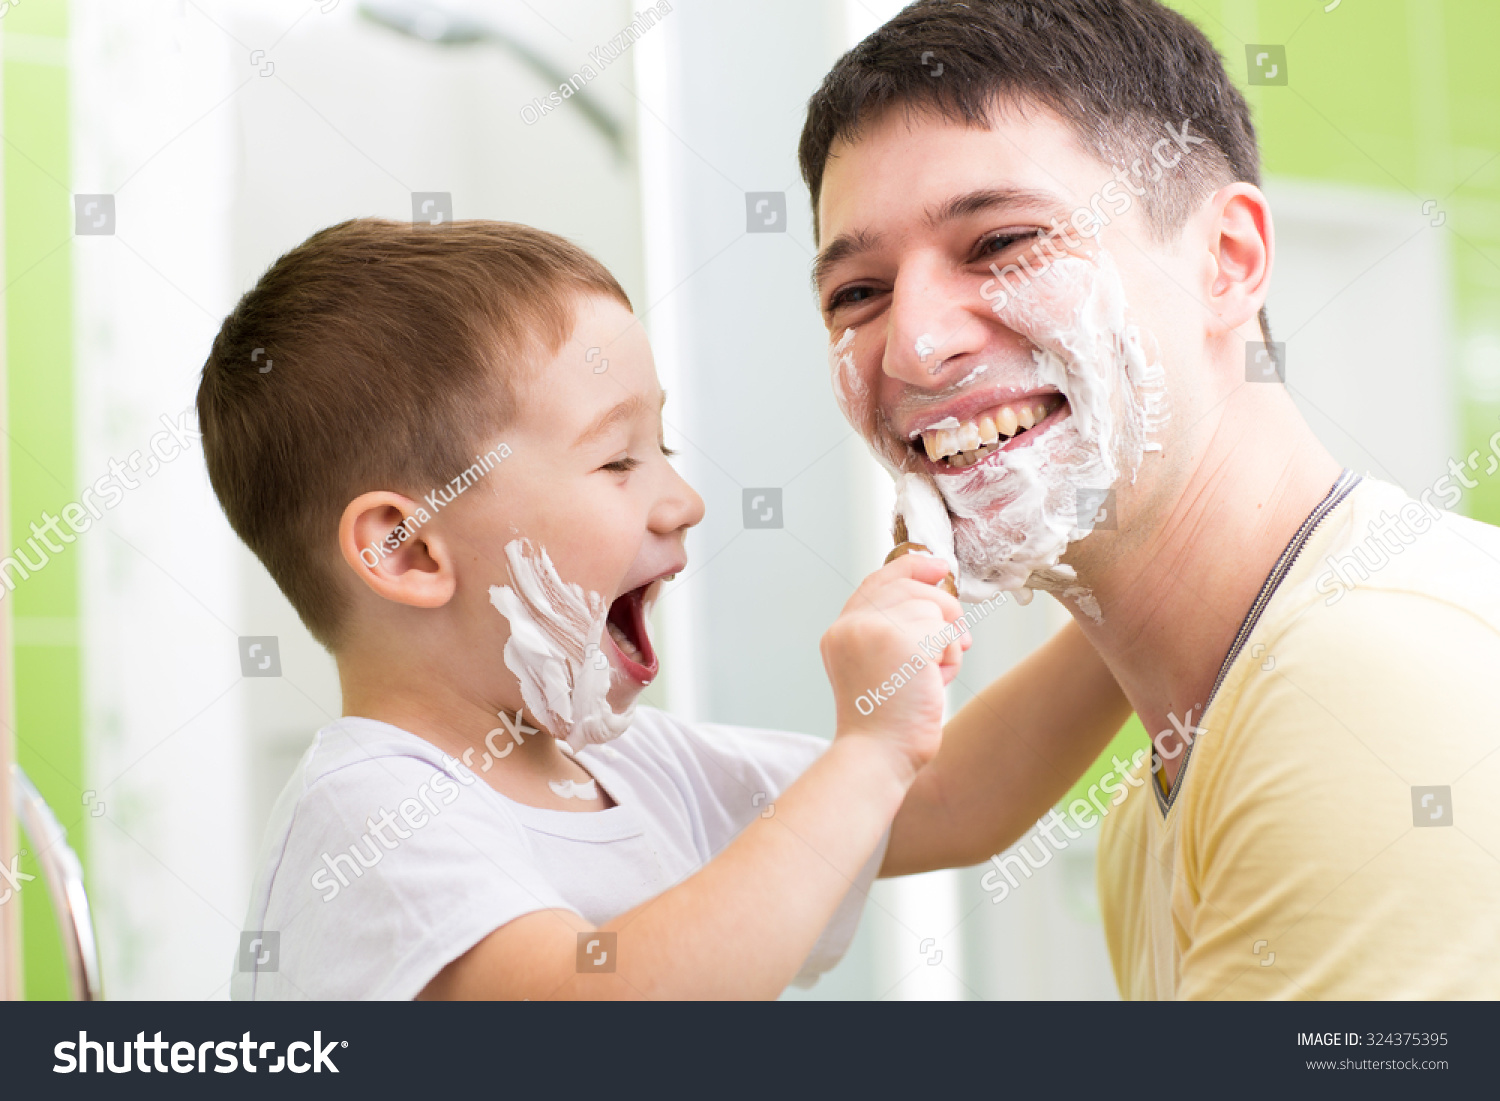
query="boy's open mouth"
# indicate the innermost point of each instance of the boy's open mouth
(626, 631)
(950, 445)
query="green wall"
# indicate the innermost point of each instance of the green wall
(39, 359)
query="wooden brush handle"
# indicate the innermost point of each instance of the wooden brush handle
(906, 546)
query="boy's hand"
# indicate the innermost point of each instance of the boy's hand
(873, 650)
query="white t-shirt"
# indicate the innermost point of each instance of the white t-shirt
(385, 860)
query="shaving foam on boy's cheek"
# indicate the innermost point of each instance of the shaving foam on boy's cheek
(556, 630)
(1017, 513)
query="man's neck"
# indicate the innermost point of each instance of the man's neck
(1174, 600)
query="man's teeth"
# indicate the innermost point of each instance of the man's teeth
(969, 442)
(622, 640)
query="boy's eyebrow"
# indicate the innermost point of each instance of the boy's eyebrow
(960, 206)
(631, 406)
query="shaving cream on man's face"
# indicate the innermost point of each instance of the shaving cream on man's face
(1016, 506)
(556, 629)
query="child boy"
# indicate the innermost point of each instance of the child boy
(474, 518)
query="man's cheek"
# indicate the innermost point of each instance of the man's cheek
(853, 389)
(1057, 307)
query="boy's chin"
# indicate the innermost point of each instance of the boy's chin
(623, 694)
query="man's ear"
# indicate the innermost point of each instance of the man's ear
(391, 552)
(1242, 246)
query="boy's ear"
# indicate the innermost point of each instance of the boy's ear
(1242, 247)
(390, 552)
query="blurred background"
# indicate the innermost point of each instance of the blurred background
(157, 155)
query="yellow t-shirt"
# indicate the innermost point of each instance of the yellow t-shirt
(1334, 830)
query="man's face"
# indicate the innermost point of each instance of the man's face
(1022, 396)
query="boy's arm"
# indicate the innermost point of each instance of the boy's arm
(738, 928)
(1007, 757)
(742, 925)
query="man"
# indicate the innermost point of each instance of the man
(1043, 262)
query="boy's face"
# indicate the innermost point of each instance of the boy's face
(913, 214)
(588, 481)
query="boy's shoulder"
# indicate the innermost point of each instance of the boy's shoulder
(353, 741)
(376, 841)
(356, 766)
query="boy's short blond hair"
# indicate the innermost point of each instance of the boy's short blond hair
(375, 355)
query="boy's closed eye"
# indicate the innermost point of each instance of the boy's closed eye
(626, 463)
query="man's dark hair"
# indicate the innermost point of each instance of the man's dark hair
(1117, 72)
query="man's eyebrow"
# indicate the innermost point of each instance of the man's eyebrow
(840, 249)
(632, 406)
(987, 198)
(960, 206)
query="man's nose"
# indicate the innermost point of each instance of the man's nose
(932, 325)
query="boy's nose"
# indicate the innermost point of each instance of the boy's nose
(679, 506)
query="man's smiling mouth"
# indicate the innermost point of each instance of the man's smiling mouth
(950, 444)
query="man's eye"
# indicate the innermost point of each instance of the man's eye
(622, 466)
(998, 242)
(850, 296)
